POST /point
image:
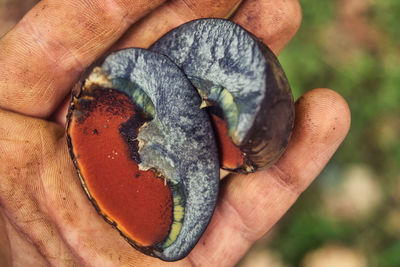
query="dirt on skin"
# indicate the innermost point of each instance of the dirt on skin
(11, 11)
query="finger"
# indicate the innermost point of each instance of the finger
(5, 252)
(172, 14)
(42, 57)
(318, 134)
(251, 204)
(25, 143)
(273, 22)
(40, 194)
(59, 116)
(21, 251)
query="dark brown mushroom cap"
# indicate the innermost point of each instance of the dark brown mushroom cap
(231, 68)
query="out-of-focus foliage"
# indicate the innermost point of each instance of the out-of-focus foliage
(353, 47)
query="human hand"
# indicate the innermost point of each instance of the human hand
(47, 217)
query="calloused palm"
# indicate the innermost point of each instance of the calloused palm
(47, 219)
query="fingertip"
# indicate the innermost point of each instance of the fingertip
(273, 22)
(322, 121)
(322, 115)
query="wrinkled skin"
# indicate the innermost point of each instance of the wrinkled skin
(46, 218)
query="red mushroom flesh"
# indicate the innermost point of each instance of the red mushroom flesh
(138, 202)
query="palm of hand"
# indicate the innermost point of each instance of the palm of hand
(47, 218)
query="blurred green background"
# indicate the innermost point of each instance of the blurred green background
(350, 216)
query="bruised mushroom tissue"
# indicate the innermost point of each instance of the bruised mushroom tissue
(150, 129)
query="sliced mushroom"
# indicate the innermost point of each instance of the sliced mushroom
(241, 79)
(145, 153)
